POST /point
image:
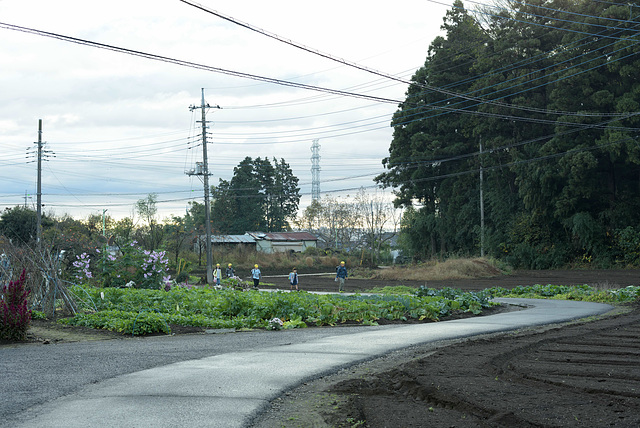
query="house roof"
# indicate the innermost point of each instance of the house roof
(232, 239)
(284, 236)
(291, 236)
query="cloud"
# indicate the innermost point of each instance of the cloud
(120, 125)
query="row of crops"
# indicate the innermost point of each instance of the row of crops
(141, 312)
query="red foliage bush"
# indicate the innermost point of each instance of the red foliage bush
(15, 315)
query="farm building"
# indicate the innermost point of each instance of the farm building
(264, 242)
(283, 241)
(231, 241)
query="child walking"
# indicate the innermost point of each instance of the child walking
(341, 276)
(293, 279)
(256, 275)
(230, 272)
(217, 275)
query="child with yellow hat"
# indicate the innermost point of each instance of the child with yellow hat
(256, 275)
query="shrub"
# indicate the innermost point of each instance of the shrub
(329, 261)
(14, 313)
(147, 269)
(628, 244)
(182, 277)
(38, 315)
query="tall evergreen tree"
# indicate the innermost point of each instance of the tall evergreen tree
(260, 196)
(430, 158)
(284, 197)
(550, 88)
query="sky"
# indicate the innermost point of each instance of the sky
(117, 127)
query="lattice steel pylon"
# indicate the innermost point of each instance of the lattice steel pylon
(315, 170)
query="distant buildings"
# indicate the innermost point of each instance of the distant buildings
(264, 242)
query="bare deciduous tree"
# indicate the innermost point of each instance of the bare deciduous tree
(379, 219)
(365, 221)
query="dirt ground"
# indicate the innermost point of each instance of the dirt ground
(605, 278)
(582, 374)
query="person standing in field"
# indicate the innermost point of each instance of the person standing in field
(217, 273)
(230, 272)
(256, 275)
(341, 276)
(293, 279)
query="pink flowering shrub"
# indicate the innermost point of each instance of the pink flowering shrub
(131, 266)
(14, 313)
(82, 266)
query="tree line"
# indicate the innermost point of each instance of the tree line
(253, 200)
(261, 196)
(543, 98)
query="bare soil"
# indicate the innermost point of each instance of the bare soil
(582, 374)
(596, 278)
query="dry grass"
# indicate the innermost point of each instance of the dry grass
(434, 271)
(454, 268)
(605, 286)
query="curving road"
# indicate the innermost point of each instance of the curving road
(216, 380)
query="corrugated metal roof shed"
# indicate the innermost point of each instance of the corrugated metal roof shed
(232, 239)
(291, 236)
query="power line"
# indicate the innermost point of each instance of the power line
(385, 75)
(193, 64)
(582, 15)
(351, 63)
(502, 17)
(458, 110)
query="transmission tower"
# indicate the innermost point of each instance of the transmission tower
(315, 171)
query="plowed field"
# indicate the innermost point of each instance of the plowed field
(580, 374)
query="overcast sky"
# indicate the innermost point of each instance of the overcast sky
(120, 126)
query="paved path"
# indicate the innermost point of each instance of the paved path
(230, 389)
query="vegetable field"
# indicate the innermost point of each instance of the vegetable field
(141, 311)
